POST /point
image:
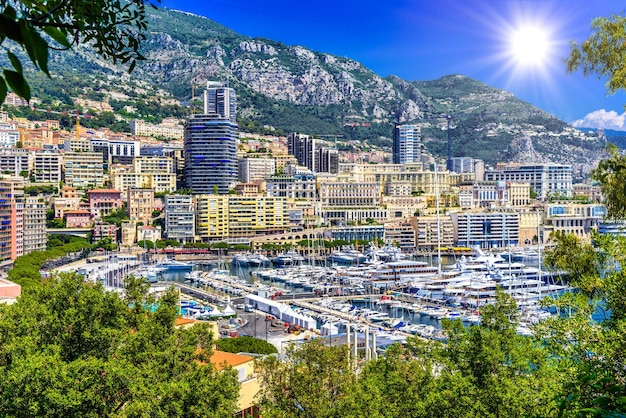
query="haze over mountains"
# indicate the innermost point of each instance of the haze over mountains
(291, 88)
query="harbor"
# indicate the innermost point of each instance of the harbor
(394, 299)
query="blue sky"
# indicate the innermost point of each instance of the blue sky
(425, 39)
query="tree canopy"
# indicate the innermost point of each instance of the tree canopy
(69, 348)
(603, 53)
(113, 28)
(486, 371)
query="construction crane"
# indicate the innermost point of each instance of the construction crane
(353, 125)
(449, 125)
(449, 160)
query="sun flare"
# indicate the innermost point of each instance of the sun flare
(529, 45)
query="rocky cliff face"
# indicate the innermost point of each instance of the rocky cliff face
(290, 73)
(294, 88)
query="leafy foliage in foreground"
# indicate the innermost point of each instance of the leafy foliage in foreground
(69, 348)
(486, 371)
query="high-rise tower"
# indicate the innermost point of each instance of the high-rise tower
(406, 144)
(210, 144)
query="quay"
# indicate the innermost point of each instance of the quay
(301, 300)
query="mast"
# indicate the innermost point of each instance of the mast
(540, 274)
(438, 221)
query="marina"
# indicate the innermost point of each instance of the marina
(410, 301)
(395, 298)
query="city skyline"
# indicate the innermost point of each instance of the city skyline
(419, 40)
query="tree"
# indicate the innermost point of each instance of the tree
(114, 29)
(70, 348)
(245, 344)
(587, 339)
(611, 173)
(603, 53)
(308, 383)
(117, 216)
(486, 371)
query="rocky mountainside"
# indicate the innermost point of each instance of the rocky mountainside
(291, 88)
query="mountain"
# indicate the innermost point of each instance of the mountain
(291, 88)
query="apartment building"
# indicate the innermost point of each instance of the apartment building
(146, 172)
(116, 151)
(148, 233)
(140, 204)
(359, 233)
(14, 162)
(468, 165)
(11, 219)
(180, 218)
(102, 230)
(422, 181)
(128, 234)
(403, 206)
(398, 188)
(401, 234)
(74, 144)
(103, 201)
(312, 155)
(8, 138)
(255, 169)
(432, 232)
(47, 167)
(230, 217)
(587, 190)
(349, 194)
(486, 229)
(547, 180)
(78, 218)
(407, 144)
(84, 169)
(160, 182)
(248, 189)
(68, 200)
(212, 217)
(573, 218)
(298, 186)
(249, 216)
(35, 235)
(302, 147)
(327, 160)
(168, 128)
(210, 143)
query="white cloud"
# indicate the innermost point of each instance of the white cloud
(602, 119)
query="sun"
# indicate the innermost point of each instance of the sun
(529, 46)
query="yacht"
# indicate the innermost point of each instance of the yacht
(398, 272)
(290, 258)
(175, 265)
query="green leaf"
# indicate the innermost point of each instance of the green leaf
(57, 35)
(3, 90)
(10, 28)
(36, 46)
(15, 62)
(17, 83)
(40, 47)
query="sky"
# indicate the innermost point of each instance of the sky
(515, 45)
